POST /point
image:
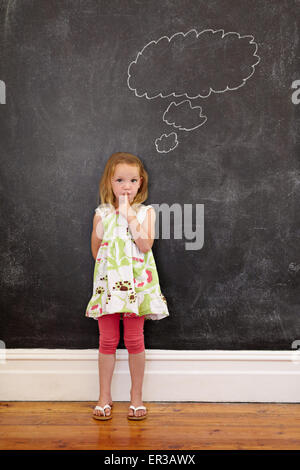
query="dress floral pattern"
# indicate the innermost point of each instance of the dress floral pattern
(125, 279)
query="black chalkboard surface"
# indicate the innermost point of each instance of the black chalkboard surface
(201, 92)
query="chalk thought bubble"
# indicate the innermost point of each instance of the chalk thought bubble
(183, 116)
(193, 65)
(165, 143)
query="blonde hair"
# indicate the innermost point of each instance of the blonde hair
(106, 193)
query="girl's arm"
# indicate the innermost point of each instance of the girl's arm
(97, 235)
(143, 234)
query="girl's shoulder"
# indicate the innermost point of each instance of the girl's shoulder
(142, 210)
(104, 210)
(143, 207)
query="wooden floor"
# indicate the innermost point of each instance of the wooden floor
(69, 425)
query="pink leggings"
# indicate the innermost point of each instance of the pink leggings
(109, 330)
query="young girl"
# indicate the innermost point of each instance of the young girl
(126, 283)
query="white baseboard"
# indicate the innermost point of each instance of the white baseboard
(198, 376)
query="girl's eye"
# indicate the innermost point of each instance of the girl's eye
(119, 179)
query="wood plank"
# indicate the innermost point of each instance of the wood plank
(190, 426)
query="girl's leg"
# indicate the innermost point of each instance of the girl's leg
(109, 329)
(134, 342)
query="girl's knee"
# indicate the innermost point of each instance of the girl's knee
(134, 335)
(109, 333)
(135, 347)
(134, 342)
(108, 344)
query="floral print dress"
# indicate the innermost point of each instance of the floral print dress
(125, 279)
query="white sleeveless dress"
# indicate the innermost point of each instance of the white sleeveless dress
(125, 279)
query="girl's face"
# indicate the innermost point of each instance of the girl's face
(126, 180)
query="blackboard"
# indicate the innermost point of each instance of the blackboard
(201, 91)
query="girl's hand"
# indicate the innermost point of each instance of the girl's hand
(124, 207)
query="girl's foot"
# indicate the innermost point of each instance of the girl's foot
(136, 413)
(102, 402)
(136, 401)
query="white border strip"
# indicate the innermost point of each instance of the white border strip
(209, 376)
(153, 355)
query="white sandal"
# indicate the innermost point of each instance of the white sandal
(135, 417)
(104, 417)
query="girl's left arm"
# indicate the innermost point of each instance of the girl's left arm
(143, 234)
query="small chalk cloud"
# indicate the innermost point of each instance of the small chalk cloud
(165, 143)
(184, 116)
(193, 65)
